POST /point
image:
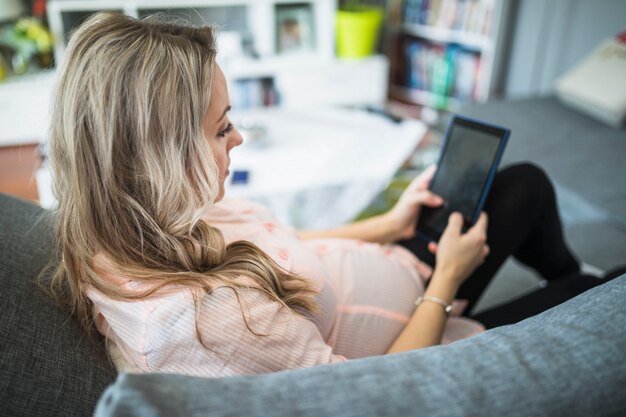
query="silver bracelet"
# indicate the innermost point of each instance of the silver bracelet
(446, 307)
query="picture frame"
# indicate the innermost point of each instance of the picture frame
(295, 28)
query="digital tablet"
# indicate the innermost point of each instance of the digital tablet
(470, 155)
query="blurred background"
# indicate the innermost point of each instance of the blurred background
(536, 66)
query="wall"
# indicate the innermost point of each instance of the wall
(549, 37)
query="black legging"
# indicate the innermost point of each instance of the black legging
(523, 222)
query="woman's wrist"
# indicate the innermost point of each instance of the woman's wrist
(395, 227)
(443, 285)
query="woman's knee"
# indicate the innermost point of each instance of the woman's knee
(521, 188)
(528, 177)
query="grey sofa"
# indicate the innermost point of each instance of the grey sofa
(47, 365)
(570, 360)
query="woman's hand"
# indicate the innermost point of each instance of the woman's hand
(458, 254)
(402, 218)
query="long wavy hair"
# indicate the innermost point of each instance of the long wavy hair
(133, 171)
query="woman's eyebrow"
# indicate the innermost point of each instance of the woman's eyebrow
(226, 110)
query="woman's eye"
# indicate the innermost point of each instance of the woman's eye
(227, 130)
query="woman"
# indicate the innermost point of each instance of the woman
(181, 280)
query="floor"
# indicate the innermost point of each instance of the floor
(586, 160)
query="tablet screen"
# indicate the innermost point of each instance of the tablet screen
(469, 157)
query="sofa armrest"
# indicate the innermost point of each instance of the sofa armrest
(47, 365)
(570, 360)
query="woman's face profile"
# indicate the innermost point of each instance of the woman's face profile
(218, 130)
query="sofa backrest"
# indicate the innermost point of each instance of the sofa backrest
(567, 361)
(48, 367)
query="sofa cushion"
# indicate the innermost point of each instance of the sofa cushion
(570, 360)
(47, 365)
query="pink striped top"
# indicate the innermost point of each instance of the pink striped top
(367, 294)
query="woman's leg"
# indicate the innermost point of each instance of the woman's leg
(523, 222)
(556, 292)
(528, 305)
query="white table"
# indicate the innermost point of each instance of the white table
(319, 168)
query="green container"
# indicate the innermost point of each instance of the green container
(357, 32)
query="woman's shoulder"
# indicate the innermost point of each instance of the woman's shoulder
(127, 305)
(113, 277)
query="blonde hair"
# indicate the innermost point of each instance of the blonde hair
(133, 171)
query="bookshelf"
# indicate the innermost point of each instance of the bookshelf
(260, 70)
(254, 20)
(260, 42)
(445, 52)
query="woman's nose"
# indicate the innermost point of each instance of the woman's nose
(237, 139)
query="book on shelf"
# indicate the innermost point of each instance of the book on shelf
(447, 71)
(254, 92)
(459, 15)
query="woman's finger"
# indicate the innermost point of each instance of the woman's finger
(422, 181)
(432, 247)
(419, 198)
(429, 199)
